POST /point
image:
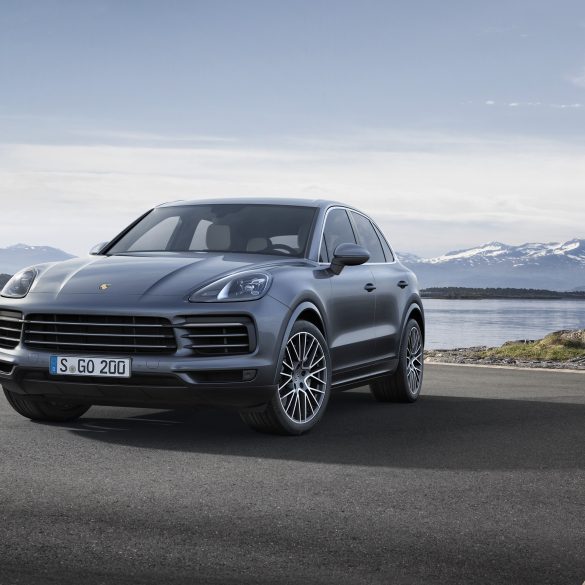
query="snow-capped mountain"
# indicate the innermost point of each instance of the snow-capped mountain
(554, 266)
(13, 258)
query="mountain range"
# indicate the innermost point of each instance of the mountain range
(552, 266)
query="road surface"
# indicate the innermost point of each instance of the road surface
(481, 481)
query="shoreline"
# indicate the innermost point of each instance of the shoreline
(488, 298)
(467, 356)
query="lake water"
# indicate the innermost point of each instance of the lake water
(458, 323)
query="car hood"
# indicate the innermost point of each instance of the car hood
(143, 274)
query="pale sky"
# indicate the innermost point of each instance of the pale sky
(451, 123)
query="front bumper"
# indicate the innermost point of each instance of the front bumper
(158, 380)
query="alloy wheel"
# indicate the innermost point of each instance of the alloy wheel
(414, 360)
(303, 377)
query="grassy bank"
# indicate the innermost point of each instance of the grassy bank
(559, 346)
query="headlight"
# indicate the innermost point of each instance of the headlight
(19, 285)
(243, 287)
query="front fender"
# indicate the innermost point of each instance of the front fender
(292, 319)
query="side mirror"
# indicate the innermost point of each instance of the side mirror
(348, 255)
(96, 250)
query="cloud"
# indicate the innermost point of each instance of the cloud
(117, 136)
(578, 79)
(567, 106)
(515, 104)
(429, 191)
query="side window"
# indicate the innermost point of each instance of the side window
(157, 237)
(337, 231)
(385, 246)
(368, 237)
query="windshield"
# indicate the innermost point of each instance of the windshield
(255, 228)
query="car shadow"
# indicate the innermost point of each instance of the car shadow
(438, 432)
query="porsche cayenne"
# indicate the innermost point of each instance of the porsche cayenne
(263, 305)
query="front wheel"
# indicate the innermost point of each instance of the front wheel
(405, 383)
(304, 385)
(45, 410)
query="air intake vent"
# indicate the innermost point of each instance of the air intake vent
(99, 334)
(10, 328)
(209, 336)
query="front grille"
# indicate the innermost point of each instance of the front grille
(99, 334)
(209, 336)
(10, 328)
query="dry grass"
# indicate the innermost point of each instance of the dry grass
(558, 346)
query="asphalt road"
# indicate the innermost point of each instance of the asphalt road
(481, 481)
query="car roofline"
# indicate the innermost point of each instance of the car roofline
(296, 201)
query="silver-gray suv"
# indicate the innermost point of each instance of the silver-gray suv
(263, 305)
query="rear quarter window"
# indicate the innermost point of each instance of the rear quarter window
(369, 239)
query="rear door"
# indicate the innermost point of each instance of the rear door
(390, 297)
(352, 306)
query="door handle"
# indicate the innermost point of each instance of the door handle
(369, 287)
(403, 284)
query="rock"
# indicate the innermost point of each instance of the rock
(572, 338)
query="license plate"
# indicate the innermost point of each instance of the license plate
(88, 366)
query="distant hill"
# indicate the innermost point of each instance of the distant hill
(4, 278)
(14, 258)
(551, 266)
(499, 293)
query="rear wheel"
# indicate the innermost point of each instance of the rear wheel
(405, 383)
(45, 410)
(303, 386)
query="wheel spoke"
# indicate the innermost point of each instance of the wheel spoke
(311, 396)
(287, 394)
(316, 378)
(308, 351)
(297, 359)
(319, 391)
(290, 359)
(295, 401)
(299, 347)
(285, 383)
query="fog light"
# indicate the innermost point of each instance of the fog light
(248, 375)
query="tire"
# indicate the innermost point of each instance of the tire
(304, 385)
(45, 410)
(405, 383)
